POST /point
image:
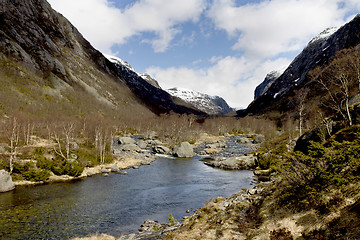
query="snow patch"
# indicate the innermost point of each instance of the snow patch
(324, 34)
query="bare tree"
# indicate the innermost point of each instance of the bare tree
(14, 140)
(301, 104)
(338, 90)
(65, 141)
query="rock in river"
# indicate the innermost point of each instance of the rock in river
(232, 163)
(184, 150)
(6, 183)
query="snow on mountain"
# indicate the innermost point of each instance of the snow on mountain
(324, 34)
(119, 61)
(144, 76)
(203, 102)
(206, 103)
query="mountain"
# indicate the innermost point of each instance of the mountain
(124, 64)
(47, 67)
(212, 105)
(276, 94)
(269, 79)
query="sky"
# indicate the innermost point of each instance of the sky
(217, 47)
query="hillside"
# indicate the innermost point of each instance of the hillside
(279, 95)
(47, 66)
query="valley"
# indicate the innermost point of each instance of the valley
(90, 148)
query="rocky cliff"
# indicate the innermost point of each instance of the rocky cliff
(44, 60)
(318, 52)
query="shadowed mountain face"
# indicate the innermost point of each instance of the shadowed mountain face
(274, 93)
(46, 63)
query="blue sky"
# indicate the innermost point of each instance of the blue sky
(218, 47)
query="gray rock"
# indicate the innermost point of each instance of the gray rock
(153, 143)
(184, 150)
(161, 149)
(142, 144)
(105, 170)
(232, 163)
(131, 147)
(115, 169)
(126, 140)
(6, 183)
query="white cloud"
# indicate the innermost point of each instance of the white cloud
(269, 28)
(232, 78)
(105, 25)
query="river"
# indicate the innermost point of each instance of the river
(116, 204)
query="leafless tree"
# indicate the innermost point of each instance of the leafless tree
(14, 140)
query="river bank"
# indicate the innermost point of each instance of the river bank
(216, 151)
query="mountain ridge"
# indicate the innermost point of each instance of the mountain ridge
(318, 52)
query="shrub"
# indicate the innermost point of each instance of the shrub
(36, 175)
(172, 220)
(44, 163)
(39, 151)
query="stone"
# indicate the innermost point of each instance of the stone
(184, 150)
(142, 144)
(161, 149)
(153, 143)
(232, 163)
(6, 183)
(115, 169)
(132, 147)
(126, 140)
(105, 170)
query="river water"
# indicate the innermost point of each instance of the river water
(116, 204)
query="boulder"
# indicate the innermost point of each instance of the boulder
(131, 147)
(126, 140)
(161, 149)
(184, 150)
(6, 183)
(232, 163)
(105, 170)
(153, 143)
(115, 169)
(142, 144)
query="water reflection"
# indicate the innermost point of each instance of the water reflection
(115, 204)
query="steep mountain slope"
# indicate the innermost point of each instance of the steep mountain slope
(210, 104)
(318, 53)
(47, 66)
